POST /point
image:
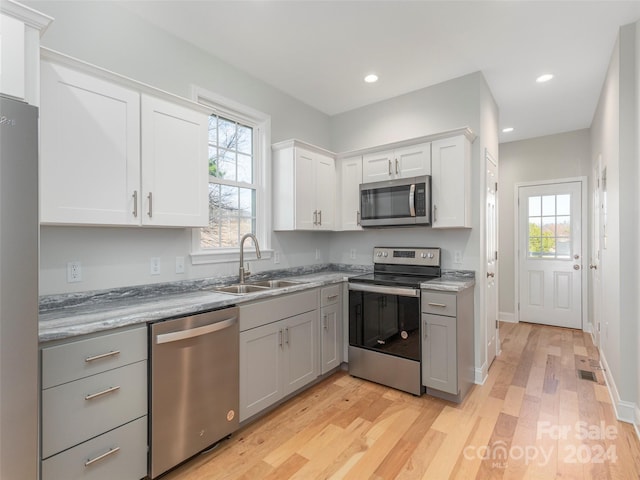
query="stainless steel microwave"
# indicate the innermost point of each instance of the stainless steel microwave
(400, 202)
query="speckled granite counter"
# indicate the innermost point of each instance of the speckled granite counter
(64, 316)
(452, 281)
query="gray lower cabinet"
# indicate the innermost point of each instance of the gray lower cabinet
(94, 407)
(330, 328)
(447, 343)
(278, 349)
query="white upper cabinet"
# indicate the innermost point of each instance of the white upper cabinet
(350, 178)
(112, 155)
(304, 187)
(410, 161)
(20, 30)
(175, 176)
(451, 182)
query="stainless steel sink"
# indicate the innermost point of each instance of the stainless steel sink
(240, 289)
(276, 283)
(261, 286)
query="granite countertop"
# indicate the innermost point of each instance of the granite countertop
(452, 281)
(70, 315)
(65, 316)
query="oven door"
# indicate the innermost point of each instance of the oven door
(385, 319)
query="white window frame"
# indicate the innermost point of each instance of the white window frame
(261, 123)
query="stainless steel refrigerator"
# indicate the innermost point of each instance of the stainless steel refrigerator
(18, 290)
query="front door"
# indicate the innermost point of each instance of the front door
(550, 254)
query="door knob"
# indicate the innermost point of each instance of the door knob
(576, 267)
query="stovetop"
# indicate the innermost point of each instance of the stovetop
(402, 266)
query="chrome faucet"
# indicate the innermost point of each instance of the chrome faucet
(243, 272)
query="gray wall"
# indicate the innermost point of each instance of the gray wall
(545, 158)
(614, 134)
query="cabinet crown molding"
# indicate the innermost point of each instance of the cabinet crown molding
(299, 143)
(140, 87)
(25, 14)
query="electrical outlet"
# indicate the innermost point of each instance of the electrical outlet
(276, 256)
(74, 272)
(352, 254)
(457, 256)
(155, 266)
(179, 264)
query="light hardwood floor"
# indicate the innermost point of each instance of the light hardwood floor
(533, 418)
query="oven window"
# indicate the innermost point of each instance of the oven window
(385, 323)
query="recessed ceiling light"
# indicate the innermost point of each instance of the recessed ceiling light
(544, 78)
(371, 78)
(507, 130)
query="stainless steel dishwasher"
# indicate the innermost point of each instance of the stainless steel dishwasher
(194, 376)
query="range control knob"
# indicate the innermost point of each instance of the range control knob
(379, 254)
(385, 254)
(423, 255)
(430, 255)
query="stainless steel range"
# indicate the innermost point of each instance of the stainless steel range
(384, 317)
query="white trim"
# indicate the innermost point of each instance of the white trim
(584, 207)
(261, 122)
(26, 15)
(625, 411)
(481, 374)
(507, 317)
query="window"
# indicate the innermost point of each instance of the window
(550, 226)
(232, 191)
(239, 148)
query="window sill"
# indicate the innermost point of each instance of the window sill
(228, 256)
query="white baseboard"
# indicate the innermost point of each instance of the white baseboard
(625, 411)
(481, 374)
(507, 317)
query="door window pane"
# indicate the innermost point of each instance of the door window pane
(550, 227)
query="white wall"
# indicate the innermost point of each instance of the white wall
(111, 37)
(544, 158)
(614, 135)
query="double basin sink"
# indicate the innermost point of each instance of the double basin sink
(242, 288)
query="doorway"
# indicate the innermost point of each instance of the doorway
(550, 242)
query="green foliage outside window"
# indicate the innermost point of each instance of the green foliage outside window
(540, 242)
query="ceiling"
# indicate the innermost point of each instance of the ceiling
(320, 51)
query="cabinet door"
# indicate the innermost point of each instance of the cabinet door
(300, 362)
(377, 167)
(261, 351)
(305, 205)
(89, 149)
(12, 43)
(413, 161)
(451, 182)
(175, 177)
(349, 204)
(331, 336)
(325, 191)
(439, 353)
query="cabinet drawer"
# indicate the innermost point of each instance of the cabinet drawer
(267, 311)
(77, 411)
(439, 303)
(330, 295)
(127, 463)
(79, 359)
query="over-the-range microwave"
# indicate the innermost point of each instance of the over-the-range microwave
(399, 202)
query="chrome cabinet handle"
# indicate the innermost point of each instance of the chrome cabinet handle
(319, 217)
(332, 296)
(433, 304)
(315, 217)
(435, 213)
(396, 166)
(358, 218)
(286, 335)
(324, 322)
(280, 338)
(135, 203)
(101, 457)
(389, 167)
(101, 356)
(103, 392)
(150, 212)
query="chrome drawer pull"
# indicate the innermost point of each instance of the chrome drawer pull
(437, 304)
(104, 392)
(103, 355)
(101, 457)
(332, 296)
